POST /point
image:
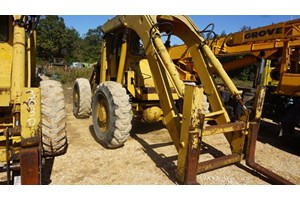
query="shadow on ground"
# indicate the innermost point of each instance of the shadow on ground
(164, 163)
(269, 133)
(168, 166)
(47, 170)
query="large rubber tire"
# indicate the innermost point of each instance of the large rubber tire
(82, 98)
(111, 114)
(54, 136)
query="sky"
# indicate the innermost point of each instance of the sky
(227, 23)
(228, 16)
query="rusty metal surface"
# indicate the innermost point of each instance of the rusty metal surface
(192, 159)
(218, 163)
(16, 131)
(30, 166)
(224, 128)
(28, 142)
(250, 159)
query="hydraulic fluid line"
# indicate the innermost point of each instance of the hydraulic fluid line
(222, 73)
(167, 61)
(211, 31)
(260, 73)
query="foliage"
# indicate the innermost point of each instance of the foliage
(247, 73)
(56, 40)
(90, 46)
(236, 82)
(68, 76)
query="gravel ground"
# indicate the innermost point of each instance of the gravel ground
(149, 157)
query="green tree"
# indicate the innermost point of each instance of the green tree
(248, 72)
(54, 39)
(91, 45)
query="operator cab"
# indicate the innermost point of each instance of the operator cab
(6, 50)
(3, 28)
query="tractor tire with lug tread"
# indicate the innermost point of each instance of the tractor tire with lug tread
(54, 136)
(82, 97)
(111, 114)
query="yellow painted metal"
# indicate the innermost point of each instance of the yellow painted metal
(18, 68)
(120, 73)
(14, 149)
(190, 122)
(4, 97)
(152, 114)
(140, 78)
(20, 118)
(224, 128)
(155, 67)
(2, 154)
(285, 60)
(32, 56)
(259, 101)
(144, 75)
(30, 116)
(178, 52)
(163, 69)
(171, 116)
(239, 63)
(164, 75)
(102, 115)
(276, 41)
(290, 85)
(130, 82)
(266, 79)
(31, 59)
(209, 87)
(103, 74)
(259, 39)
(169, 65)
(221, 72)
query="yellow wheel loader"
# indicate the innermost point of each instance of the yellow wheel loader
(136, 77)
(32, 114)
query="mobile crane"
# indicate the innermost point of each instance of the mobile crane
(32, 113)
(136, 77)
(275, 48)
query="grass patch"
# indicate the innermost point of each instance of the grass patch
(69, 76)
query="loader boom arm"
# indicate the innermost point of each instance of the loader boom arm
(179, 99)
(162, 65)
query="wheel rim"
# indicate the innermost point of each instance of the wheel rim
(102, 113)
